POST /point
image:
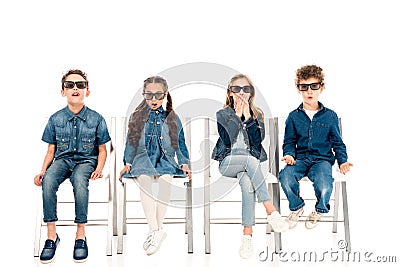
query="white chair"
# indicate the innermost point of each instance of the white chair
(340, 187)
(217, 188)
(104, 187)
(186, 199)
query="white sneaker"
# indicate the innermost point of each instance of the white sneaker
(294, 217)
(277, 222)
(246, 247)
(146, 243)
(155, 243)
(313, 219)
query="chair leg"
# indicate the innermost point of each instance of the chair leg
(336, 207)
(115, 207)
(346, 217)
(121, 218)
(271, 193)
(110, 225)
(276, 201)
(189, 214)
(38, 230)
(207, 218)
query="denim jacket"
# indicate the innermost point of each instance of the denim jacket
(229, 125)
(314, 139)
(138, 157)
(77, 136)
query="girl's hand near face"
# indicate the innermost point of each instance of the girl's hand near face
(246, 110)
(242, 106)
(239, 106)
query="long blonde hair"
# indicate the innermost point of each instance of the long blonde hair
(254, 111)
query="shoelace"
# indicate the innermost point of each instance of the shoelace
(49, 243)
(294, 215)
(80, 243)
(314, 216)
(246, 242)
(150, 238)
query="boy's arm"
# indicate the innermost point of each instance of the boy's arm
(337, 142)
(289, 139)
(101, 161)
(48, 159)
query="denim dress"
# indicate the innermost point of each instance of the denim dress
(155, 154)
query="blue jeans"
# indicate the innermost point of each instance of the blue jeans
(248, 170)
(79, 175)
(319, 172)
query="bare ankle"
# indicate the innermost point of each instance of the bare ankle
(269, 207)
(248, 230)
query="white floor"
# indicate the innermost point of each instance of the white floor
(299, 244)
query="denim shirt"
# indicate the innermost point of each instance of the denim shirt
(229, 125)
(76, 137)
(157, 158)
(314, 139)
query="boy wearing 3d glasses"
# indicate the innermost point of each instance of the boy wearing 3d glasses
(76, 137)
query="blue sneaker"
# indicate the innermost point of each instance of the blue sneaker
(49, 250)
(80, 250)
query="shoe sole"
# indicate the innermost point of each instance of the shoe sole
(48, 261)
(52, 259)
(80, 261)
(310, 227)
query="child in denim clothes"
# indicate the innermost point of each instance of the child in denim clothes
(154, 138)
(76, 137)
(311, 133)
(239, 151)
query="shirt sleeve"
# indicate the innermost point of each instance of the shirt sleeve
(182, 152)
(103, 135)
(49, 133)
(289, 139)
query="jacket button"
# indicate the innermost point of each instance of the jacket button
(161, 137)
(158, 122)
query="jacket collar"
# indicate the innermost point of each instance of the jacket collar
(81, 115)
(321, 107)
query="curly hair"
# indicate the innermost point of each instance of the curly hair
(309, 71)
(141, 114)
(74, 71)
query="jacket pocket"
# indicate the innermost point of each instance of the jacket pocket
(88, 142)
(62, 142)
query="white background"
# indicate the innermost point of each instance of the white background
(120, 43)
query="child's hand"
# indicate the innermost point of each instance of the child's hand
(38, 179)
(345, 167)
(126, 169)
(246, 110)
(185, 169)
(239, 105)
(96, 175)
(289, 160)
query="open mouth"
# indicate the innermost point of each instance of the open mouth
(75, 94)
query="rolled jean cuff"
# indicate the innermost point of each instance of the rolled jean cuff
(80, 221)
(50, 220)
(298, 207)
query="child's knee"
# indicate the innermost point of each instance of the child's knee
(245, 183)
